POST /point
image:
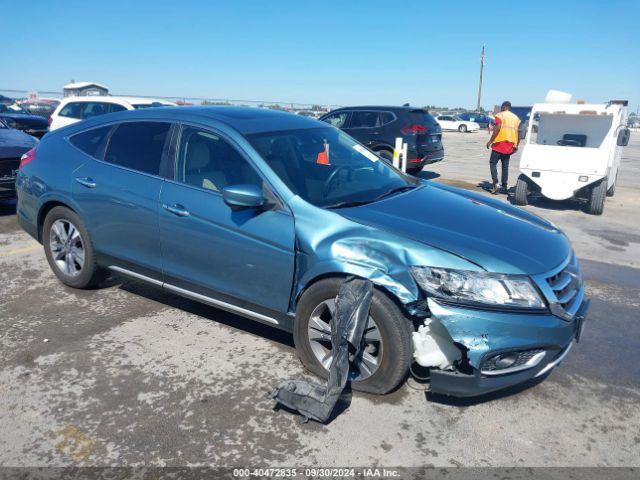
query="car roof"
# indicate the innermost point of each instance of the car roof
(246, 120)
(388, 108)
(111, 98)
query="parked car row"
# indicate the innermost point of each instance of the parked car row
(13, 144)
(15, 116)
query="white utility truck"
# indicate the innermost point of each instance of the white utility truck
(573, 150)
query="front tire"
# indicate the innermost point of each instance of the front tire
(69, 250)
(522, 191)
(462, 129)
(387, 350)
(597, 197)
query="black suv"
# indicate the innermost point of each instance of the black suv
(378, 127)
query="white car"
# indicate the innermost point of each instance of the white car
(74, 109)
(452, 122)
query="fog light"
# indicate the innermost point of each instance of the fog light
(510, 362)
(505, 360)
(583, 178)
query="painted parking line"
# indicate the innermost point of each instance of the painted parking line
(16, 251)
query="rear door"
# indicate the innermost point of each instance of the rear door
(365, 126)
(237, 257)
(118, 190)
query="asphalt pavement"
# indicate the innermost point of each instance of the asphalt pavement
(128, 375)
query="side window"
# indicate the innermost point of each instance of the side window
(207, 161)
(114, 107)
(94, 109)
(138, 145)
(91, 141)
(71, 110)
(386, 117)
(337, 119)
(364, 119)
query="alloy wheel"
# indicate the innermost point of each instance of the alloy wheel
(319, 334)
(67, 248)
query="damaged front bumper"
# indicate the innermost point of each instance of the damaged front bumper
(534, 343)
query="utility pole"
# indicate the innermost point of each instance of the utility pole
(480, 83)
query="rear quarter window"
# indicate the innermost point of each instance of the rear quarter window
(91, 141)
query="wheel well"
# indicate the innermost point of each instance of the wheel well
(377, 148)
(44, 210)
(326, 276)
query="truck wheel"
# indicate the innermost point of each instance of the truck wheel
(596, 199)
(69, 250)
(522, 191)
(612, 191)
(387, 349)
(462, 128)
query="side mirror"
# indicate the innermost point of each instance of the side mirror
(243, 196)
(623, 137)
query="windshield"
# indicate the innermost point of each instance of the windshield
(13, 109)
(327, 167)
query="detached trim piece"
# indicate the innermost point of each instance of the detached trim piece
(197, 296)
(554, 363)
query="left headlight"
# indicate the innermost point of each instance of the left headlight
(491, 289)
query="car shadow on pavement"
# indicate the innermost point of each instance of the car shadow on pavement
(427, 175)
(488, 397)
(202, 310)
(7, 206)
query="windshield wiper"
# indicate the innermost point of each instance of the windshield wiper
(402, 188)
(353, 203)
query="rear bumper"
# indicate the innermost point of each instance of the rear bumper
(485, 334)
(420, 159)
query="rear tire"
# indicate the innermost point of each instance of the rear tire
(462, 129)
(395, 337)
(69, 249)
(597, 197)
(522, 191)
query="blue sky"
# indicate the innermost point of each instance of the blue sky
(338, 52)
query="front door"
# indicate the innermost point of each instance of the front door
(242, 257)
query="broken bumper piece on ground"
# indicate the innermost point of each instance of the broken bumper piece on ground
(314, 401)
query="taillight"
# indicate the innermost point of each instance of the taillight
(28, 157)
(414, 129)
(50, 121)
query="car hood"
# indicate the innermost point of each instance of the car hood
(489, 233)
(27, 120)
(13, 143)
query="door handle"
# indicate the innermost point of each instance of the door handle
(86, 182)
(176, 209)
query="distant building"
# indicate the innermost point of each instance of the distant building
(83, 89)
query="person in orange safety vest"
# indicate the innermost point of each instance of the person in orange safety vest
(503, 143)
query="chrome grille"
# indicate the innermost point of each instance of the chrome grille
(564, 288)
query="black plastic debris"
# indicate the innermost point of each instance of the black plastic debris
(315, 401)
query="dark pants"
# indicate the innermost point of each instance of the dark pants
(493, 164)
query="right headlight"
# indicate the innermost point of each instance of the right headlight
(480, 288)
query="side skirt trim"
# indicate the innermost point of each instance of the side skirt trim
(197, 296)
